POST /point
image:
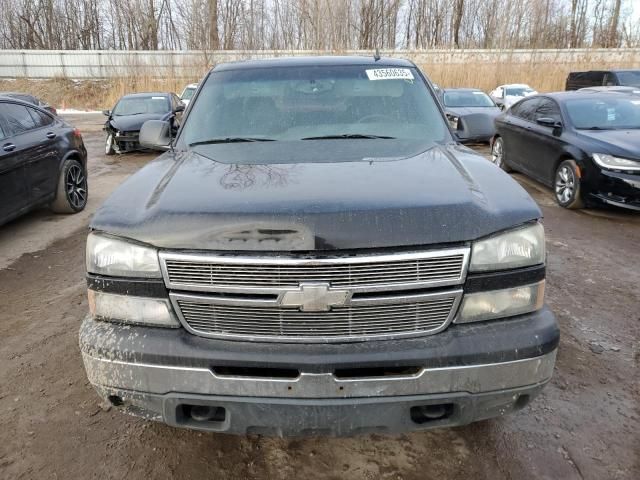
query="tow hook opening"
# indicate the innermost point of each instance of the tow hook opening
(522, 401)
(430, 413)
(115, 400)
(199, 414)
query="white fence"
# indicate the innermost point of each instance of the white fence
(91, 64)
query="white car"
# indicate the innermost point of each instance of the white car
(188, 92)
(507, 95)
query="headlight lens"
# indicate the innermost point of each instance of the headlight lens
(616, 163)
(481, 306)
(118, 258)
(453, 121)
(516, 248)
(128, 309)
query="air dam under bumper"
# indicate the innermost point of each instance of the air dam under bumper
(192, 395)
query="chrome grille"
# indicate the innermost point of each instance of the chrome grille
(315, 299)
(271, 274)
(406, 316)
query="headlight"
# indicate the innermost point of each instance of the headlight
(616, 163)
(118, 258)
(516, 248)
(128, 309)
(453, 121)
(481, 306)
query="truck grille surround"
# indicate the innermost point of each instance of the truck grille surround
(316, 299)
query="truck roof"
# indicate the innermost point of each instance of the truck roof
(331, 60)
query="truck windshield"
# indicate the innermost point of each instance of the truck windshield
(629, 78)
(339, 103)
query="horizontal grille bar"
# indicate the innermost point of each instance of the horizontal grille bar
(221, 273)
(351, 322)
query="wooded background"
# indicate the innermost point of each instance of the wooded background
(332, 25)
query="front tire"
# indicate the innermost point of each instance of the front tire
(109, 145)
(567, 185)
(497, 155)
(72, 191)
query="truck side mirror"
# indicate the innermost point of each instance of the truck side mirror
(106, 113)
(155, 134)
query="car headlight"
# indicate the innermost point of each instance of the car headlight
(480, 306)
(616, 163)
(453, 121)
(521, 247)
(119, 258)
(134, 310)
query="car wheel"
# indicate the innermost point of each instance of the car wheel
(497, 154)
(72, 190)
(109, 145)
(567, 185)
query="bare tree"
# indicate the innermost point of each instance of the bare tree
(316, 24)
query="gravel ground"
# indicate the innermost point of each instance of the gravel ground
(584, 425)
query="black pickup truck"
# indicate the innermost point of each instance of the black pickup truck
(315, 254)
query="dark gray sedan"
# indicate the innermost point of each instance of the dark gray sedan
(43, 161)
(471, 113)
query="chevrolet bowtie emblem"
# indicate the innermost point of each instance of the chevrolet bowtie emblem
(314, 297)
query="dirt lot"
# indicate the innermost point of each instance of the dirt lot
(585, 425)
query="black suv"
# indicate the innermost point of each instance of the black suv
(597, 78)
(42, 161)
(315, 254)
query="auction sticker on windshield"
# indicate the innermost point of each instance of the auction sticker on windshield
(390, 74)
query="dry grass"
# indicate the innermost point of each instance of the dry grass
(91, 94)
(545, 75)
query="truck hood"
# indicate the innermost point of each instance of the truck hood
(186, 200)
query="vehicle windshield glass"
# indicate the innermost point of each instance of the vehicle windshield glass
(141, 105)
(24, 98)
(619, 113)
(630, 78)
(340, 103)
(518, 91)
(188, 93)
(467, 99)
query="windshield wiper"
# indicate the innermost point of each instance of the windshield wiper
(346, 136)
(231, 140)
(595, 127)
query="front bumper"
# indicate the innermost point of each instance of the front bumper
(468, 373)
(127, 141)
(616, 188)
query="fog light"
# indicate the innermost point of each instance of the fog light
(501, 303)
(128, 309)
